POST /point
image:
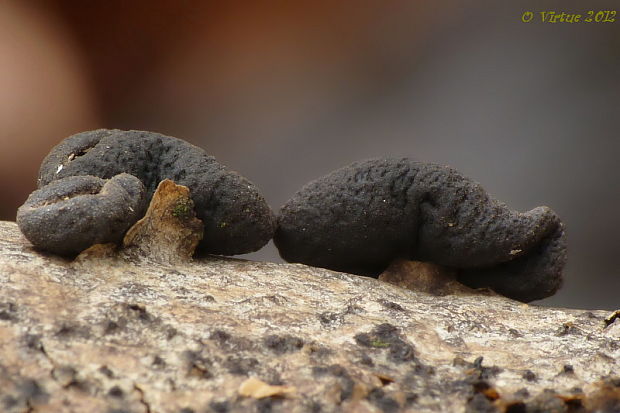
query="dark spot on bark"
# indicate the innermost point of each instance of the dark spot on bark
(111, 327)
(529, 375)
(267, 404)
(219, 407)
(329, 318)
(72, 330)
(387, 336)
(345, 380)
(568, 369)
(31, 390)
(9, 402)
(480, 404)
(231, 343)
(283, 344)
(319, 371)
(158, 362)
(612, 344)
(366, 360)
(8, 311)
(240, 366)
(515, 333)
(391, 305)
(411, 398)
(105, 370)
(32, 341)
(477, 370)
(197, 365)
(318, 351)
(387, 404)
(116, 392)
(313, 406)
(186, 410)
(401, 352)
(220, 336)
(65, 376)
(339, 372)
(522, 393)
(139, 311)
(360, 218)
(423, 370)
(516, 407)
(171, 333)
(272, 376)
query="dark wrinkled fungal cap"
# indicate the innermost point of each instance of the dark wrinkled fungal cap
(71, 214)
(235, 215)
(361, 217)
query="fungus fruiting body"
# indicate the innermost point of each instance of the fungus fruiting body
(235, 215)
(71, 214)
(361, 217)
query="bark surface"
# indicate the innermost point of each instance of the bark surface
(112, 332)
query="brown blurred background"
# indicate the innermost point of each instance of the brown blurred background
(284, 92)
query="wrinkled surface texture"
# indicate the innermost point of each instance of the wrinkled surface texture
(235, 215)
(361, 217)
(104, 336)
(71, 214)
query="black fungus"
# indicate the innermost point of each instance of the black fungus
(235, 215)
(71, 214)
(361, 217)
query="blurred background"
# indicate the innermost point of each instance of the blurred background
(284, 92)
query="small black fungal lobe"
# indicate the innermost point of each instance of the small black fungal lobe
(360, 218)
(235, 215)
(71, 214)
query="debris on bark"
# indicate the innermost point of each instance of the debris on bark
(170, 231)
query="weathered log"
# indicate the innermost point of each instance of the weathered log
(123, 332)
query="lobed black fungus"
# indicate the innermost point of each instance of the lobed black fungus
(71, 214)
(359, 218)
(235, 215)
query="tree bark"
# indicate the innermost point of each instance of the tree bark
(109, 332)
